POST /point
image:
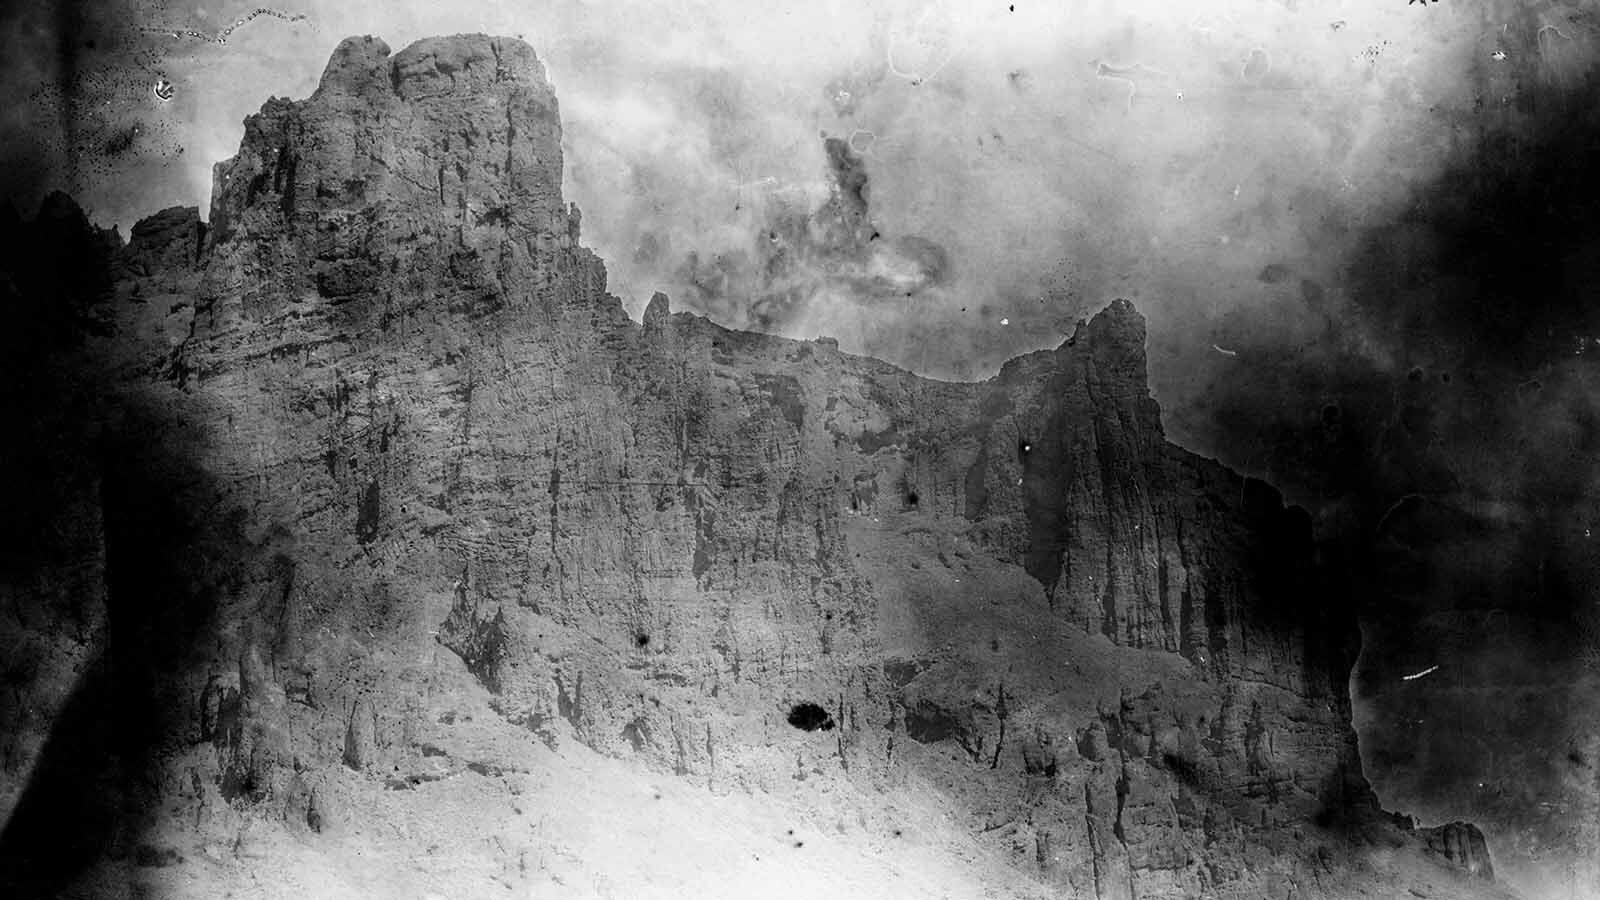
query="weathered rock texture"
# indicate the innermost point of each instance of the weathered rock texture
(382, 403)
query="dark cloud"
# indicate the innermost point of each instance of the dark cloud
(800, 263)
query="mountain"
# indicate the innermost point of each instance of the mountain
(364, 546)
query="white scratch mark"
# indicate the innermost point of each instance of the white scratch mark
(1266, 58)
(1419, 674)
(221, 37)
(922, 32)
(1224, 352)
(1131, 74)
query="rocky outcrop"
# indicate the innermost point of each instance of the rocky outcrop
(1463, 844)
(410, 420)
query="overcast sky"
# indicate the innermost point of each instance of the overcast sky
(1060, 154)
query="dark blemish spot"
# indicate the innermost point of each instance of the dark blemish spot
(810, 717)
(643, 640)
(911, 499)
(148, 857)
(1273, 273)
(636, 734)
(994, 645)
(1575, 758)
(828, 616)
(1415, 374)
(367, 514)
(1330, 414)
(799, 843)
(122, 141)
(790, 832)
(1185, 769)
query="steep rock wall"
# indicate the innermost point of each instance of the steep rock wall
(410, 420)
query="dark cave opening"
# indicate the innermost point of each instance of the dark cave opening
(810, 717)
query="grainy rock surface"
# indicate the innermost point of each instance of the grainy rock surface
(379, 549)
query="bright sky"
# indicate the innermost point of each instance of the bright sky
(1062, 153)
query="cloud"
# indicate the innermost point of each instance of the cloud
(802, 265)
(991, 131)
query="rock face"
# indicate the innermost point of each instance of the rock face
(1462, 844)
(379, 421)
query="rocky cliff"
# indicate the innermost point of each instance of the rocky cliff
(361, 510)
